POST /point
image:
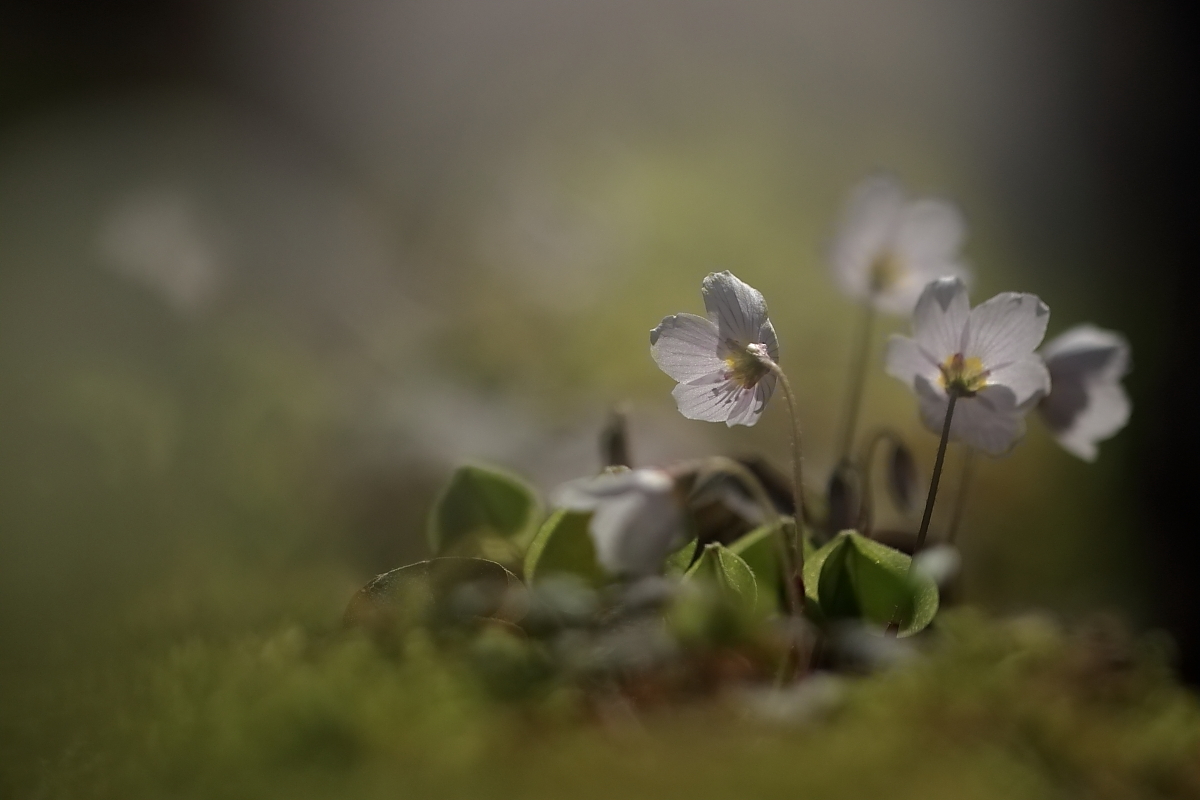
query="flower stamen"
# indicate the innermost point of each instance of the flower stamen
(747, 364)
(963, 376)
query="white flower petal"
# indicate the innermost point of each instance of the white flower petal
(685, 347)
(940, 318)
(1028, 378)
(990, 421)
(906, 360)
(636, 521)
(737, 308)
(1006, 328)
(940, 563)
(711, 398)
(634, 535)
(929, 236)
(1089, 350)
(902, 297)
(1087, 403)
(745, 410)
(763, 392)
(586, 494)
(866, 230)
(1107, 411)
(766, 336)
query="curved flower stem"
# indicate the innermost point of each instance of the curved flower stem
(937, 473)
(797, 469)
(960, 499)
(755, 487)
(858, 381)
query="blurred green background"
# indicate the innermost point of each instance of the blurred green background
(269, 269)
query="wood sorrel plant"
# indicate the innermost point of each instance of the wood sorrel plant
(665, 577)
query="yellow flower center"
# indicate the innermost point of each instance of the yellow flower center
(966, 376)
(886, 271)
(746, 367)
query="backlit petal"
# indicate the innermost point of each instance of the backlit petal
(685, 347)
(1087, 403)
(766, 336)
(1107, 410)
(990, 421)
(1088, 351)
(1026, 378)
(866, 230)
(929, 236)
(1006, 328)
(710, 398)
(737, 308)
(940, 318)
(905, 360)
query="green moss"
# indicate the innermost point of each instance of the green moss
(994, 710)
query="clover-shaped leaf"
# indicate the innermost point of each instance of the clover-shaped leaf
(853, 577)
(760, 550)
(721, 567)
(678, 562)
(564, 546)
(480, 505)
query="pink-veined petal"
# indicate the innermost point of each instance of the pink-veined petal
(710, 398)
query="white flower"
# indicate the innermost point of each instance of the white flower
(1086, 403)
(984, 355)
(720, 362)
(889, 246)
(637, 520)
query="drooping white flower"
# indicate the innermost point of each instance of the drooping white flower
(984, 355)
(720, 362)
(889, 245)
(636, 522)
(1087, 403)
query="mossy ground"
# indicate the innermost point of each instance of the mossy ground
(993, 709)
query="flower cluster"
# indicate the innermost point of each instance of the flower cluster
(725, 548)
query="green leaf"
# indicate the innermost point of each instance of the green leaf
(835, 585)
(439, 587)
(726, 570)
(563, 545)
(479, 504)
(760, 550)
(679, 561)
(853, 577)
(814, 561)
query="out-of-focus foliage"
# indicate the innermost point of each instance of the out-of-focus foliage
(996, 709)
